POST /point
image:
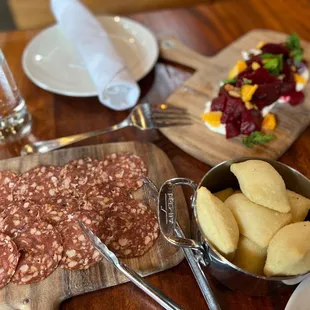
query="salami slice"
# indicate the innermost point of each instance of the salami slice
(8, 181)
(126, 170)
(81, 174)
(57, 210)
(38, 184)
(18, 217)
(130, 229)
(41, 251)
(8, 259)
(78, 252)
(99, 197)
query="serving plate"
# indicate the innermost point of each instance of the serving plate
(62, 284)
(53, 63)
(205, 145)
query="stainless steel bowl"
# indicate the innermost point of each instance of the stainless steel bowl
(218, 178)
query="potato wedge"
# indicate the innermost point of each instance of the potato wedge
(256, 222)
(224, 194)
(250, 256)
(289, 251)
(300, 206)
(217, 222)
(262, 184)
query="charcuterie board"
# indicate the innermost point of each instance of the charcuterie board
(208, 146)
(62, 284)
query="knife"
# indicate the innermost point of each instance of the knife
(130, 274)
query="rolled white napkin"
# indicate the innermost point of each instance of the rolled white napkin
(116, 87)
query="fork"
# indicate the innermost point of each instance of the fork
(144, 116)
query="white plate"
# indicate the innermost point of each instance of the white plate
(52, 62)
(300, 299)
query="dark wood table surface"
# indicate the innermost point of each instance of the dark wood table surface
(207, 29)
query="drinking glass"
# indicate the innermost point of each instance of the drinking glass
(15, 121)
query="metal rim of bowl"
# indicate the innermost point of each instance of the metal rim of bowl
(209, 245)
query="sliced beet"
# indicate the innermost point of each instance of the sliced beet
(218, 104)
(255, 58)
(288, 83)
(233, 110)
(267, 94)
(251, 120)
(273, 48)
(296, 97)
(232, 129)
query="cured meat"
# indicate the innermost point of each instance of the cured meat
(57, 210)
(41, 251)
(8, 181)
(8, 259)
(18, 217)
(38, 183)
(130, 229)
(125, 169)
(81, 174)
(99, 197)
(78, 252)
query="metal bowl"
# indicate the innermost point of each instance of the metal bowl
(219, 178)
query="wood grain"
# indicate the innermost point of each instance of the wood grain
(62, 284)
(202, 86)
(207, 30)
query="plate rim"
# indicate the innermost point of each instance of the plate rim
(94, 93)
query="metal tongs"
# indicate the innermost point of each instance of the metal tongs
(151, 193)
(130, 274)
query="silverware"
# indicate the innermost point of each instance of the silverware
(134, 277)
(143, 116)
(218, 178)
(194, 259)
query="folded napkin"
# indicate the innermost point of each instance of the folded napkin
(116, 87)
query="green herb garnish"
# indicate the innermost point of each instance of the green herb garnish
(246, 81)
(230, 81)
(293, 44)
(273, 63)
(257, 137)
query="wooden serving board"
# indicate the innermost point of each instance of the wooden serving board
(62, 284)
(205, 145)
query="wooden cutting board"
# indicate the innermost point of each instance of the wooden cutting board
(62, 284)
(205, 145)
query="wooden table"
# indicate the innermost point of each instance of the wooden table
(207, 29)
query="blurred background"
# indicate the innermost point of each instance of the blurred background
(28, 14)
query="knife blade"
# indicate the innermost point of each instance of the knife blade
(129, 273)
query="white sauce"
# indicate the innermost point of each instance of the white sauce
(245, 54)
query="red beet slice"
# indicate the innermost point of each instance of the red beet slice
(251, 120)
(274, 48)
(288, 83)
(233, 110)
(232, 129)
(218, 104)
(296, 97)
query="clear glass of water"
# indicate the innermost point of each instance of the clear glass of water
(15, 121)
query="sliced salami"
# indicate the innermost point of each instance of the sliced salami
(99, 197)
(130, 229)
(78, 252)
(8, 259)
(38, 184)
(81, 174)
(41, 251)
(8, 181)
(125, 169)
(19, 216)
(57, 210)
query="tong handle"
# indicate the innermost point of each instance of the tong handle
(167, 214)
(150, 290)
